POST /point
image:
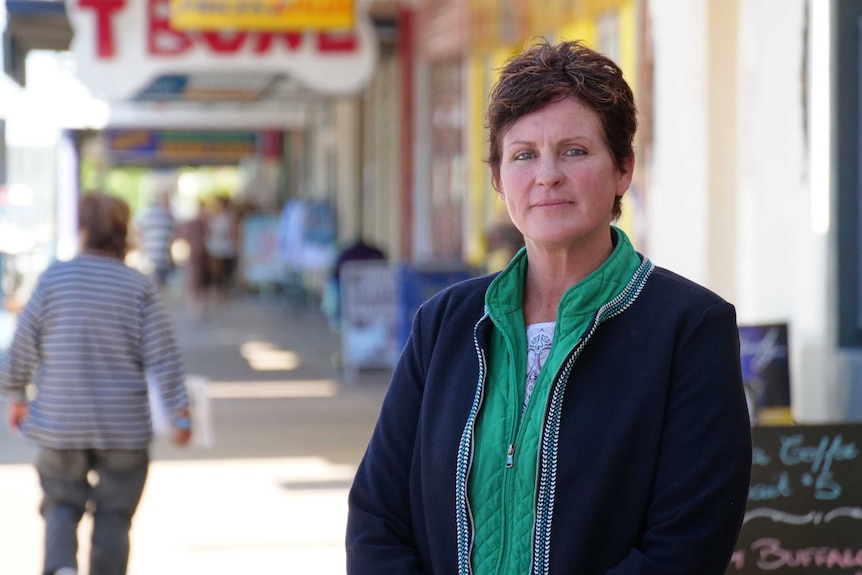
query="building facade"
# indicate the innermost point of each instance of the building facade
(747, 177)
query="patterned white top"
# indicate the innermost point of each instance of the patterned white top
(539, 339)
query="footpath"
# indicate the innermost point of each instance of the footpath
(264, 487)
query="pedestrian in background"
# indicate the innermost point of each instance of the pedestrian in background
(221, 244)
(157, 231)
(581, 411)
(197, 266)
(88, 338)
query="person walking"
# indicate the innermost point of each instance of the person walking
(197, 267)
(157, 231)
(88, 339)
(581, 411)
(221, 245)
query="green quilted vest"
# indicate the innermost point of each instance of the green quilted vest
(502, 481)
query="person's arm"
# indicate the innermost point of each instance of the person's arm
(163, 365)
(181, 427)
(21, 360)
(16, 413)
(380, 535)
(704, 467)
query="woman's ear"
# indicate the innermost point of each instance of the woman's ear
(625, 179)
(495, 182)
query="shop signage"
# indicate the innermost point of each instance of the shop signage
(120, 46)
(173, 147)
(804, 512)
(271, 15)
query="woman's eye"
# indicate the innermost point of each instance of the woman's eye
(523, 156)
(575, 152)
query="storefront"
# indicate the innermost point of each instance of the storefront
(279, 110)
(460, 45)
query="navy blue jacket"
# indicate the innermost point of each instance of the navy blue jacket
(654, 448)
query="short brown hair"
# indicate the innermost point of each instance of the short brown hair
(543, 74)
(106, 222)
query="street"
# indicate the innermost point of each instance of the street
(264, 489)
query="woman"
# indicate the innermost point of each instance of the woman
(88, 338)
(221, 246)
(580, 412)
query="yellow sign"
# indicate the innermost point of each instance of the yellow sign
(262, 15)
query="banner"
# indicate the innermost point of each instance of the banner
(175, 147)
(269, 15)
(121, 47)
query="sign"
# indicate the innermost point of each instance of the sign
(274, 15)
(173, 147)
(121, 46)
(378, 302)
(804, 513)
(260, 262)
(415, 283)
(765, 359)
(368, 312)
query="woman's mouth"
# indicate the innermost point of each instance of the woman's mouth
(551, 203)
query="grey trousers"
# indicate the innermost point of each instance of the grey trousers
(111, 494)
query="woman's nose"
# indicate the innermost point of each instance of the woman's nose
(549, 173)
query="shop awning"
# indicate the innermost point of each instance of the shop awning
(33, 25)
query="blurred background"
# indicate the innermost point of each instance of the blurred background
(324, 123)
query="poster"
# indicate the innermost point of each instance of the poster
(764, 354)
(260, 261)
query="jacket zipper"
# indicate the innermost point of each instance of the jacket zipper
(562, 372)
(463, 513)
(540, 555)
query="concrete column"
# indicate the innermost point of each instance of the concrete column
(677, 228)
(421, 161)
(348, 161)
(692, 202)
(783, 250)
(721, 138)
(738, 196)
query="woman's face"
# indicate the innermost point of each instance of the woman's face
(558, 177)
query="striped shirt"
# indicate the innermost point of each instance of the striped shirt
(157, 229)
(90, 335)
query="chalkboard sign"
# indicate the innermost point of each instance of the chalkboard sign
(804, 513)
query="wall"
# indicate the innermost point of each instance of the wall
(732, 173)
(843, 115)
(676, 204)
(497, 31)
(381, 145)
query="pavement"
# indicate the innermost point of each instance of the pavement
(263, 489)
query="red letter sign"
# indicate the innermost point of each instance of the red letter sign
(104, 31)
